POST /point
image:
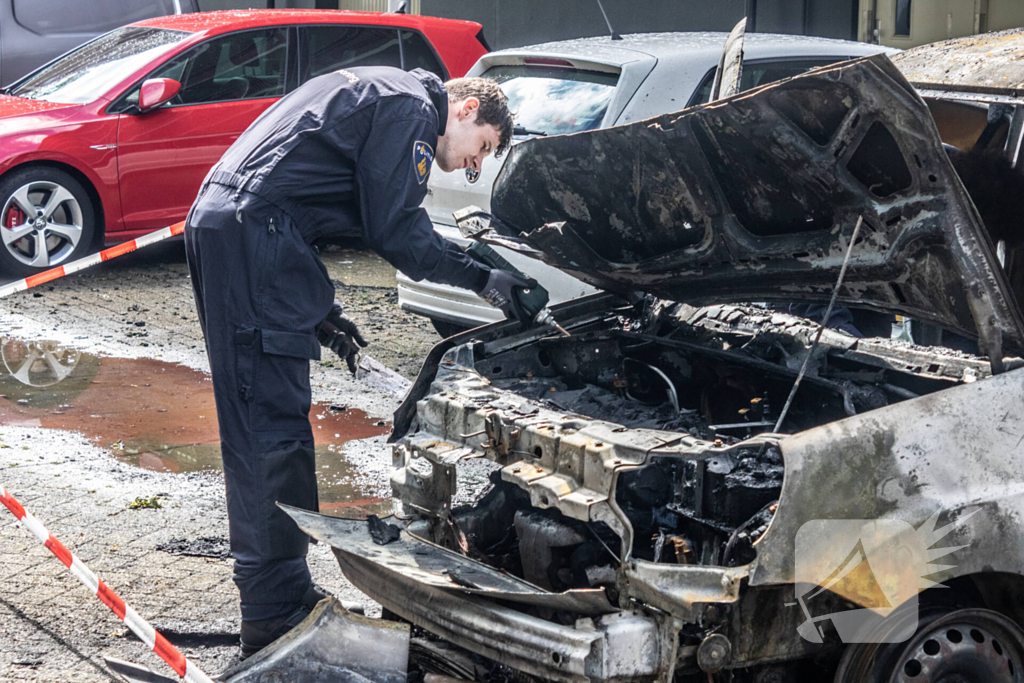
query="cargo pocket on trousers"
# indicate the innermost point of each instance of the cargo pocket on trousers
(282, 392)
(289, 473)
(246, 351)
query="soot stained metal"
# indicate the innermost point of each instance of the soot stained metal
(754, 198)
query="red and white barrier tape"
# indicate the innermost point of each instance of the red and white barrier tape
(92, 260)
(139, 626)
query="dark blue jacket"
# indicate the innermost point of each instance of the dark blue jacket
(348, 154)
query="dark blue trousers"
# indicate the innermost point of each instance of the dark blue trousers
(260, 291)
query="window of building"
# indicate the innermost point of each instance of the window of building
(902, 18)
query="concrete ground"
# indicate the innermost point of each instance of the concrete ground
(51, 628)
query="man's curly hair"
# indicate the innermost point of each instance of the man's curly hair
(493, 106)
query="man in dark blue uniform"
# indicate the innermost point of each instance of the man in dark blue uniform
(346, 154)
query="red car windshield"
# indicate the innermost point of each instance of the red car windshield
(91, 70)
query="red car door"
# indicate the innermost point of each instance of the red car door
(164, 154)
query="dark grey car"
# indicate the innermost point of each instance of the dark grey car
(32, 33)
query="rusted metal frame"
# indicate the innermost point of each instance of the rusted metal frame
(758, 364)
(1015, 136)
(933, 92)
(406, 412)
(595, 652)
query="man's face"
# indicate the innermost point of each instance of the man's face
(464, 143)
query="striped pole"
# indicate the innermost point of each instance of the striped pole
(139, 626)
(92, 260)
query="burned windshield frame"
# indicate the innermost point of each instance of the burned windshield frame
(62, 79)
(567, 86)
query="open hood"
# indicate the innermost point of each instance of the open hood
(755, 197)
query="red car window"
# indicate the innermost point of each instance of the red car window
(329, 48)
(417, 54)
(240, 66)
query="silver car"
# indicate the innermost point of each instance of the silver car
(577, 85)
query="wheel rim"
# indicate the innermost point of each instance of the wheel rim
(38, 363)
(950, 646)
(41, 224)
(964, 646)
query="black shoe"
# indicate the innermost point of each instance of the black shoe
(256, 635)
(314, 594)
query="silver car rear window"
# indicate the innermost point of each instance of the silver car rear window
(555, 100)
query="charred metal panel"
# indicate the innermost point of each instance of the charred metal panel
(618, 646)
(436, 566)
(600, 304)
(932, 362)
(684, 590)
(990, 63)
(331, 644)
(944, 452)
(753, 198)
(730, 67)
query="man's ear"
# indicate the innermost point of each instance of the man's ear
(469, 107)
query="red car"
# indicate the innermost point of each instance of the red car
(112, 140)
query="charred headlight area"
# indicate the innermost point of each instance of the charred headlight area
(706, 511)
(544, 547)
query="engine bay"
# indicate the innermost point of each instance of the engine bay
(648, 434)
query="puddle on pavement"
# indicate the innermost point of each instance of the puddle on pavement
(161, 416)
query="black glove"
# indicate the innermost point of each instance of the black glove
(338, 333)
(498, 292)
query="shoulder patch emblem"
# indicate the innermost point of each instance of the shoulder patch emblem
(422, 158)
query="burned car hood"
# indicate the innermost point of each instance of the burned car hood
(755, 198)
(987, 67)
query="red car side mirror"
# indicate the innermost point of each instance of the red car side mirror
(156, 91)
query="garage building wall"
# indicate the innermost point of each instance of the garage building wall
(510, 24)
(933, 20)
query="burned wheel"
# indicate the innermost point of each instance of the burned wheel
(957, 646)
(46, 219)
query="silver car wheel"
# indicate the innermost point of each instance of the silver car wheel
(41, 224)
(38, 363)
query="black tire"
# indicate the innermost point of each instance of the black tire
(67, 231)
(447, 329)
(972, 645)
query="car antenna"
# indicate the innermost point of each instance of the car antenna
(615, 36)
(821, 328)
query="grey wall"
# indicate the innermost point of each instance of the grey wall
(828, 18)
(511, 23)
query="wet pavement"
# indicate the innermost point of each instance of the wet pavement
(105, 400)
(160, 416)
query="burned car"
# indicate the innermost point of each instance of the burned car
(652, 476)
